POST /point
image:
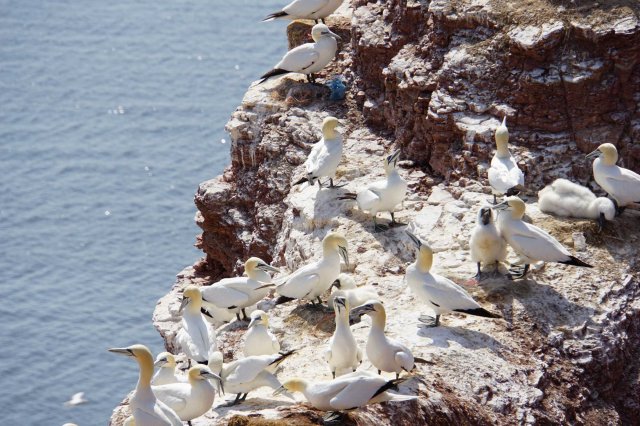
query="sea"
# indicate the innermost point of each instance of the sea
(111, 114)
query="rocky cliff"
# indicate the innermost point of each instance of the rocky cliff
(434, 78)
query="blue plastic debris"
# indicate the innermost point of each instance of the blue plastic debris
(338, 88)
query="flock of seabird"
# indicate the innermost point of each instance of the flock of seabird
(170, 397)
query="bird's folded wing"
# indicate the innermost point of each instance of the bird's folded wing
(299, 285)
(500, 177)
(627, 181)
(311, 164)
(444, 292)
(173, 395)
(356, 394)
(404, 359)
(245, 370)
(299, 58)
(537, 244)
(304, 7)
(224, 296)
(368, 198)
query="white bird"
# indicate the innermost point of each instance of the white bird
(439, 293)
(623, 185)
(308, 58)
(531, 243)
(347, 392)
(568, 199)
(310, 281)
(325, 155)
(259, 340)
(486, 243)
(76, 399)
(237, 293)
(146, 409)
(384, 354)
(346, 287)
(343, 351)
(166, 373)
(504, 175)
(192, 399)
(218, 316)
(306, 9)
(247, 374)
(383, 195)
(196, 337)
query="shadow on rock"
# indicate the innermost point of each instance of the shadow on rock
(465, 337)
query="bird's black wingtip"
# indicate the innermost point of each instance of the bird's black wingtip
(576, 262)
(479, 312)
(275, 15)
(274, 72)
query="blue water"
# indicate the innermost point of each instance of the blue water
(111, 113)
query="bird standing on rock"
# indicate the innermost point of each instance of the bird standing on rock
(316, 10)
(504, 175)
(531, 243)
(343, 352)
(325, 155)
(312, 280)
(238, 293)
(439, 293)
(486, 243)
(385, 354)
(308, 58)
(146, 409)
(383, 195)
(196, 337)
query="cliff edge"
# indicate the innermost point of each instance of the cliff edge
(434, 78)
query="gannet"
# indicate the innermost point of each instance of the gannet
(325, 155)
(196, 337)
(166, 373)
(343, 351)
(439, 293)
(486, 243)
(504, 175)
(347, 392)
(247, 374)
(308, 58)
(531, 243)
(238, 293)
(383, 195)
(621, 184)
(76, 399)
(346, 287)
(259, 340)
(310, 281)
(306, 9)
(146, 409)
(192, 399)
(565, 198)
(384, 354)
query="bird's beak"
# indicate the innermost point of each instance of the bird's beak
(253, 322)
(393, 158)
(159, 363)
(592, 155)
(183, 304)
(341, 302)
(214, 376)
(415, 239)
(344, 254)
(502, 206)
(335, 284)
(486, 216)
(279, 391)
(268, 268)
(121, 351)
(332, 34)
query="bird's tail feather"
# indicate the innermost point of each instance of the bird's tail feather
(301, 181)
(391, 384)
(479, 312)
(576, 262)
(283, 299)
(419, 360)
(276, 15)
(348, 196)
(272, 73)
(283, 355)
